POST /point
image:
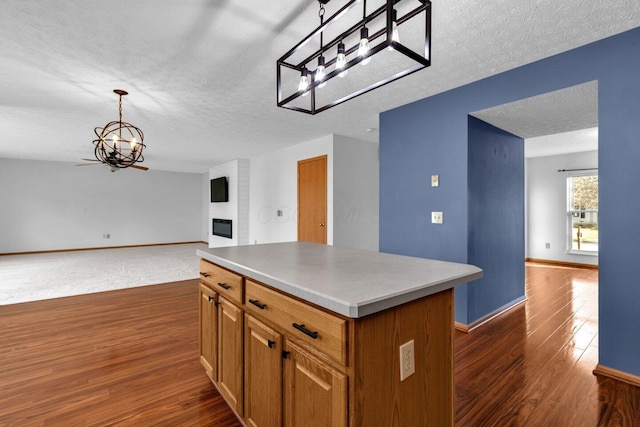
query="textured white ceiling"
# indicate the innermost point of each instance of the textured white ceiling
(201, 73)
(564, 110)
(560, 143)
(563, 121)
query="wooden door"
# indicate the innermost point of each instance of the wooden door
(263, 375)
(315, 393)
(208, 330)
(230, 361)
(312, 200)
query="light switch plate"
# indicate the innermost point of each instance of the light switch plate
(435, 180)
(436, 217)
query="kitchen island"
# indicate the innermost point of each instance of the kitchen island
(300, 334)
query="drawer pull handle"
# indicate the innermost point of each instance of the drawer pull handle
(257, 304)
(224, 286)
(305, 331)
(205, 274)
(271, 344)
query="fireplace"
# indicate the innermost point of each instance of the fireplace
(222, 227)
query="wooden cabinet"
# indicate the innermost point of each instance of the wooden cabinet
(208, 330)
(285, 362)
(230, 353)
(225, 282)
(263, 374)
(325, 332)
(315, 393)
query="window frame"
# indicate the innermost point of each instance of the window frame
(570, 212)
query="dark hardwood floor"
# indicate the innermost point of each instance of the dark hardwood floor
(129, 358)
(119, 358)
(533, 365)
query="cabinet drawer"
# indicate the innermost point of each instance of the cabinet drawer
(222, 281)
(326, 332)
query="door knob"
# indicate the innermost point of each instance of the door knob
(322, 224)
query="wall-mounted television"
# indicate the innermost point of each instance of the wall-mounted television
(219, 190)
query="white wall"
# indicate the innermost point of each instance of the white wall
(352, 192)
(274, 183)
(205, 222)
(356, 193)
(546, 198)
(237, 208)
(56, 205)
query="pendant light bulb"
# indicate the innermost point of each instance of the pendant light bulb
(395, 35)
(320, 72)
(133, 143)
(363, 48)
(304, 81)
(341, 60)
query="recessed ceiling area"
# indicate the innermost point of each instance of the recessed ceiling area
(558, 122)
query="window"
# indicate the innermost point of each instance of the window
(582, 213)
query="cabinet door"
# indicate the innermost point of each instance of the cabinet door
(208, 330)
(315, 393)
(230, 359)
(263, 375)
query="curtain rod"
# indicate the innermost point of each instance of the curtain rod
(573, 170)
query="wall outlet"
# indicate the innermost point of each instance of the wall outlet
(407, 360)
(106, 236)
(436, 217)
(435, 180)
(547, 245)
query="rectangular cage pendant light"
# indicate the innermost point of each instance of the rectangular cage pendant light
(353, 52)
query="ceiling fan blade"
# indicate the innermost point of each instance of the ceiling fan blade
(142, 168)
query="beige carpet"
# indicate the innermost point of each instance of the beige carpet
(51, 275)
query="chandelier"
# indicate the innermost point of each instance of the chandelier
(119, 144)
(321, 70)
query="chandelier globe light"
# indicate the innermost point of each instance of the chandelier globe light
(119, 144)
(396, 32)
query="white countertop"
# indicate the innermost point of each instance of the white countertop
(350, 282)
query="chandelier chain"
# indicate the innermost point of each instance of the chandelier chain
(120, 108)
(120, 116)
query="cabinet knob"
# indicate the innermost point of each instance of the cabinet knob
(322, 224)
(271, 344)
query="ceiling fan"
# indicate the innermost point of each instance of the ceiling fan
(111, 167)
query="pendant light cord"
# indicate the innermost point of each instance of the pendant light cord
(321, 15)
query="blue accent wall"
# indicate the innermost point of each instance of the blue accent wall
(496, 218)
(430, 137)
